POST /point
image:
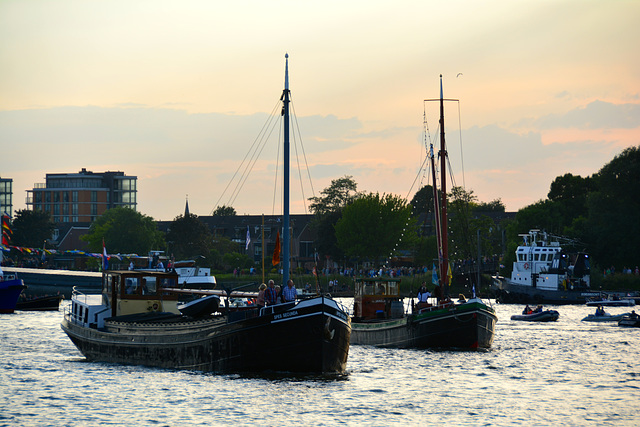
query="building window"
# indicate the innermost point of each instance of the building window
(94, 196)
(94, 209)
(74, 196)
(74, 209)
(47, 197)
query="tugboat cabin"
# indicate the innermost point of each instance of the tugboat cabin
(124, 293)
(377, 299)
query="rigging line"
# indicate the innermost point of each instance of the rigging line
(252, 161)
(461, 150)
(269, 118)
(275, 183)
(295, 145)
(313, 193)
(251, 165)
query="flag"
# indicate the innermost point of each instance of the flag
(246, 246)
(473, 290)
(276, 251)
(449, 274)
(434, 276)
(6, 230)
(105, 258)
(315, 273)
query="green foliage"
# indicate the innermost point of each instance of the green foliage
(612, 227)
(188, 237)
(493, 206)
(422, 201)
(31, 228)
(224, 211)
(328, 210)
(373, 225)
(124, 231)
(235, 259)
(341, 192)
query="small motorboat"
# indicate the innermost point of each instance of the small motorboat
(200, 307)
(612, 302)
(604, 317)
(631, 320)
(41, 303)
(540, 316)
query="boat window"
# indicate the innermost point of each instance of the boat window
(368, 289)
(536, 257)
(132, 284)
(167, 283)
(149, 285)
(392, 288)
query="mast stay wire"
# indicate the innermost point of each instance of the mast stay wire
(256, 141)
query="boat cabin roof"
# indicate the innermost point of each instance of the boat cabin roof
(377, 286)
(135, 284)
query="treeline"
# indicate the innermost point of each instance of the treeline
(600, 212)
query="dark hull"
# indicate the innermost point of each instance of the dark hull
(466, 326)
(50, 303)
(310, 337)
(629, 322)
(545, 316)
(515, 294)
(10, 291)
(52, 282)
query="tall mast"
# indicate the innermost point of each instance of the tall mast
(444, 257)
(285, 225)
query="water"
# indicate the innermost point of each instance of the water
(563, 373)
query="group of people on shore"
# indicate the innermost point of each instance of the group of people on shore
(271, 294)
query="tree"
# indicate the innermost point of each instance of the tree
(341, 192)
(493, 206)
(188, 237)
(125, 231)
(328, 210)
(422, 201)
(31, 228)
(613, 227)
(373, 225)
(224, 211)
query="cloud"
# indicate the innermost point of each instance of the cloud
(595, 115)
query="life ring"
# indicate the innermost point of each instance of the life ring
(155, 306)
(526, 265)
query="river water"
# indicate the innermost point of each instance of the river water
(563, 373)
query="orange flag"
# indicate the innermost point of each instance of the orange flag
(276, 251)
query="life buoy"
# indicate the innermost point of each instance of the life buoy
(526, 265)
(155, 306)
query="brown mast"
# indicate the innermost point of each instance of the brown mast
(444, 255)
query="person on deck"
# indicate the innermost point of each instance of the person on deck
(270, 294)
(289, 293)
(423, 294)
(260, 301)
(600, 311)
(527, 310)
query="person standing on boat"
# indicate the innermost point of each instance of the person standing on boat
(423, 294)
(289, 292)
(270, 294)
(260, 302)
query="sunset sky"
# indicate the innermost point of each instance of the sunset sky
(176, 93)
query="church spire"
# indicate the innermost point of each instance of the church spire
(186, 207)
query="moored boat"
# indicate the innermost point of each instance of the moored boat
(612, 302)
(10, 289)
(379, 318)
(543, 273)
(40, 303)
(136, 320)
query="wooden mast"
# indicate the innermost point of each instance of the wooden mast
(444, 255)
(285, 224)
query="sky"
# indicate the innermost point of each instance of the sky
(176, 92)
